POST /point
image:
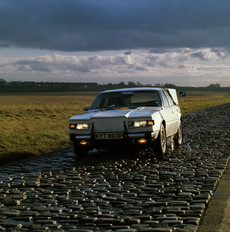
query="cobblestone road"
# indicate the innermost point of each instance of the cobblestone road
(116, 192)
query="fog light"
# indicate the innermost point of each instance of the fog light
(83, 143)
(142, 141)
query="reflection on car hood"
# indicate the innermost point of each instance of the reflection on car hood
(117, 113)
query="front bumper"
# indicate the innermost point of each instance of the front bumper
(130, 139)
(129, 136)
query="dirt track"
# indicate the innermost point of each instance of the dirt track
(119, 192)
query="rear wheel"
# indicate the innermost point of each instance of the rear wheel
(80, 150)
(161, 142)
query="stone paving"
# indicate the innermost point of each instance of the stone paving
(116, 191)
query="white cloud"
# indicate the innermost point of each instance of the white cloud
(177, 66)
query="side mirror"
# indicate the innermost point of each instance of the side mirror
(86, 108)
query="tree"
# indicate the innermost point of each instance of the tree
(217, 85)
(121, 84)
(131, 84)
(139, 84)
(169, 85)
(2, 80)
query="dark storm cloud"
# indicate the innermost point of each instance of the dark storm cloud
(74, 25)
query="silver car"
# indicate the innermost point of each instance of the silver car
(131, 118)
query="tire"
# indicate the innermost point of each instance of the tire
(178, 138)
(161, 142)
(80, 150)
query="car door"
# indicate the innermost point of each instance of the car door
(169, 113)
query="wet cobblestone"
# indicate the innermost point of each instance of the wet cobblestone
(116, 191)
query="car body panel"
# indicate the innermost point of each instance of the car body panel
(171, 116)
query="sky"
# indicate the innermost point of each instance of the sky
(183, 42)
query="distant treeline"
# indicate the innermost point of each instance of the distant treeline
(31, 86)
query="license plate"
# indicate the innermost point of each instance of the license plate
(109, 136)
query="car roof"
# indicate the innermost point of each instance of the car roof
(132, 89)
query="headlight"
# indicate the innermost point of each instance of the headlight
(82, 126)
(136, 124)
(140, 123)
(79, 126)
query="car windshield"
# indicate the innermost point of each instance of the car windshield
(131, 99)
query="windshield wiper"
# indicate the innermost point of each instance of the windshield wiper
(111, 107)
(132, 107)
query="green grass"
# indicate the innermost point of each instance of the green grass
(35, 124)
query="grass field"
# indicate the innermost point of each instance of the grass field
(35, 124)
(202, 100)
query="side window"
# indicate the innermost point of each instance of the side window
(164, 100)
(169, 98)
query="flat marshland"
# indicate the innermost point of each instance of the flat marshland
(34, 124)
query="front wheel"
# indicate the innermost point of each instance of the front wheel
(161, 142)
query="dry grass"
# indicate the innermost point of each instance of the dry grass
(202, 100)
(38, 124)
(33, 125)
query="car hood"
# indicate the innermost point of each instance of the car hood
(117, 113)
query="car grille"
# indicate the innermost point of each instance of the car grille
(109, 124)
